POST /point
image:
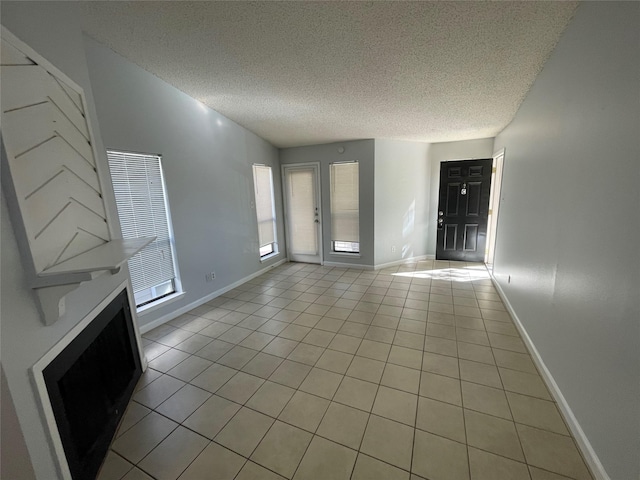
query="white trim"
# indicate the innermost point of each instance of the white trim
(348, 265)
(495, 193)
(37, 375)
(161, 302)
(345, 254)
(403, 261)
(285, 206)
(584, 445)
(269, 256)
(499, 152)
(176, 313)
(136, 324)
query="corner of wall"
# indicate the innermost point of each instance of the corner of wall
(16, 461)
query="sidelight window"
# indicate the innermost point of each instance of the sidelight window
(265, 210)
(345, 208)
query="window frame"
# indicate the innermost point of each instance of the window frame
(336, 244)
(158, 299)
(273, 246)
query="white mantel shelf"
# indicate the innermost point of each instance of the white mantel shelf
(50, 178)
(109, 256)
(53, 284)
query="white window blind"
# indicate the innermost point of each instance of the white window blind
(265, 207)
(138, 185)
(345, 204)
(304, 234)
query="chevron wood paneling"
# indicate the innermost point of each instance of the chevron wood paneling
(34, 168)
(10, 55)
(51, 161)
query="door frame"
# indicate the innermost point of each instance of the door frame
(494, 207)
(316, 167)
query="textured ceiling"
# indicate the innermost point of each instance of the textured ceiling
(300, 73)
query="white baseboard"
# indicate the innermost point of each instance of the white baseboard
(403, 261)
(589, 454)
(176, 313)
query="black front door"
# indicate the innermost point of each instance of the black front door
(463, 209)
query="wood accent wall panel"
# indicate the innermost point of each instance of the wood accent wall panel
(51, 161)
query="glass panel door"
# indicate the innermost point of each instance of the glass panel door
(302, 199)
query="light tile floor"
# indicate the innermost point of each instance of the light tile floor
(308, 372)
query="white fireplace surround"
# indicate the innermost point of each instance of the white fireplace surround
(38, 369)
(67, 237)
(50, 177)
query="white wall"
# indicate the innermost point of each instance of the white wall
(568, 227)
(358, 150)
(52, 30)
(207, 162)
(402, 185)
(443, 152)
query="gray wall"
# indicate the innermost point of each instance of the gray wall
(358, 150)
(442, 152)
(392, 175)
(402, 185)
(52, 30)
(15, 462)
(568, 225)
(220, 195)
(206, 160)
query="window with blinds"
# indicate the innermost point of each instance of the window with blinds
(141, 199)
(265, 210)
(345, 207)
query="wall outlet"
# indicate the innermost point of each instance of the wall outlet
(209, 277)
(393, 249)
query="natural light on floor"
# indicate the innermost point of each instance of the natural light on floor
(463, 274)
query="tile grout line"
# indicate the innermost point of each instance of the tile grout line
(323, 415)
(285, 358)
(369, 325)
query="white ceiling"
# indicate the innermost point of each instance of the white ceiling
(300, 73)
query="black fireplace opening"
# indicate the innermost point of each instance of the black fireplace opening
(90, 384)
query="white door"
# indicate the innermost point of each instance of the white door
(302, 204)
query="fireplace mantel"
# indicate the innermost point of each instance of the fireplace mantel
(108, 256)
(50, 176)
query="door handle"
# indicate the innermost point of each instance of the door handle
(316, 221)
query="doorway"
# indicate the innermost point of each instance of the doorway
(302, 206)
(463, 210)
(494, 205)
